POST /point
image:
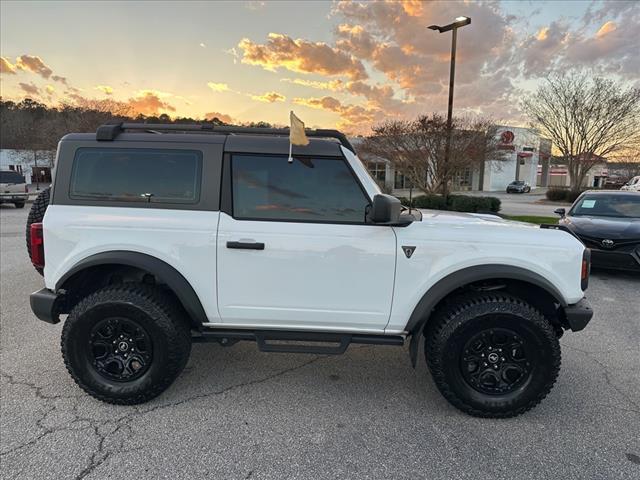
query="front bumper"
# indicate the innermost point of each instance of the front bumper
(578, 315)
(619, 259)
(43, 305)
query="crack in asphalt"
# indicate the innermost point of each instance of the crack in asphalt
(101, 453)
(607, 377)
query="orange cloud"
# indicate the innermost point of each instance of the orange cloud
(606, 29)
(355, 117)
(149, 103)
(33, 64)
(269, 97)
(281, 51)
(7, 67)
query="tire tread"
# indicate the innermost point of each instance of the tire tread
(167, 315)
(451, 315)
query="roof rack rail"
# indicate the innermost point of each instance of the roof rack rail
(110, 131)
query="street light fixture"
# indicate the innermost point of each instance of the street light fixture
(453, 27)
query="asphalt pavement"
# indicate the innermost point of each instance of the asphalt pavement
(236, 413)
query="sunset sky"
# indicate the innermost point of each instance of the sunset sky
(344, 64)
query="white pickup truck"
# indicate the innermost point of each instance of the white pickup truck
(157, 236)
(13, 188)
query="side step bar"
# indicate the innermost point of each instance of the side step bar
(270, 340)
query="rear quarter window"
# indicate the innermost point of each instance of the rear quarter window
(136, 175)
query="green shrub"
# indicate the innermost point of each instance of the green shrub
(458, 203)
(564, 194)
(572, 195)
(556, 194)
(495, 204)
(464, 204)
(431, 202)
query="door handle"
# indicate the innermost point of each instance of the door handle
(246, 245)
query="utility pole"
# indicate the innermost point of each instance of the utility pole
(460, 22)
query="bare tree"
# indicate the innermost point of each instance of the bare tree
(586, 118)
(416, 148)
(626, 164)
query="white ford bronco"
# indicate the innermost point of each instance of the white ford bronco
(156, 236)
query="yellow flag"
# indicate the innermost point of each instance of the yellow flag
(296, 132)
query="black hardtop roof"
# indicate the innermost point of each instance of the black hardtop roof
(235, 139)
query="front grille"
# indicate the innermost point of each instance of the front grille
(619, 245)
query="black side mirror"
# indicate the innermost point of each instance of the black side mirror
(384, 209)
(560, 211)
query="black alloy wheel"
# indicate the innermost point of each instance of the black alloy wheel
(126, 343)
(492, 354)
(495, 362)
(121, 349)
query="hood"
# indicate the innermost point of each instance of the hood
(482, 230)
(459, 218)
(615, 228)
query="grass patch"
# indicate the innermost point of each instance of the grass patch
(533, 219)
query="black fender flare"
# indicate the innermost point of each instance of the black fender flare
(443, 287)
(164, 272)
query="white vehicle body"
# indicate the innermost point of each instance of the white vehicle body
(632, 185)
(312, 276)
(149, 242)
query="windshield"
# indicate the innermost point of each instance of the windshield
(614, 205)
(517, 182)
(11, 177)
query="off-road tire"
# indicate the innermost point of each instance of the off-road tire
(36, 214)
(465, 317)
(162, 319)
(19, 204)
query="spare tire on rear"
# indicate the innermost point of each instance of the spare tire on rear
(36, 215)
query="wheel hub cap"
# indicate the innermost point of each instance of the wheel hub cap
(120, 349)
(494, 361)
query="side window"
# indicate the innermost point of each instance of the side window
(136, 175)
(308, 189)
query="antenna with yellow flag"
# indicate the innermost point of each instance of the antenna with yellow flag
(296, 134)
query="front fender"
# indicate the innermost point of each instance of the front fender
(466, 276)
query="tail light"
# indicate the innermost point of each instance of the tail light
(26, 188)
(586, 269)
(37, 245)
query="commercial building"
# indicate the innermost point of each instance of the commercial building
(35, 166)
(522, 152)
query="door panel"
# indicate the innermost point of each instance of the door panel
(308, 275)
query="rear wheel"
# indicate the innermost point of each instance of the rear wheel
(492, 355)
(19, 204)
(125, 344)
(36, 214)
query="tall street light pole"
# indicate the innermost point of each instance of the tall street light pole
(460, 22)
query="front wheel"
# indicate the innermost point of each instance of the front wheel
(125, 344)
(492, 355)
